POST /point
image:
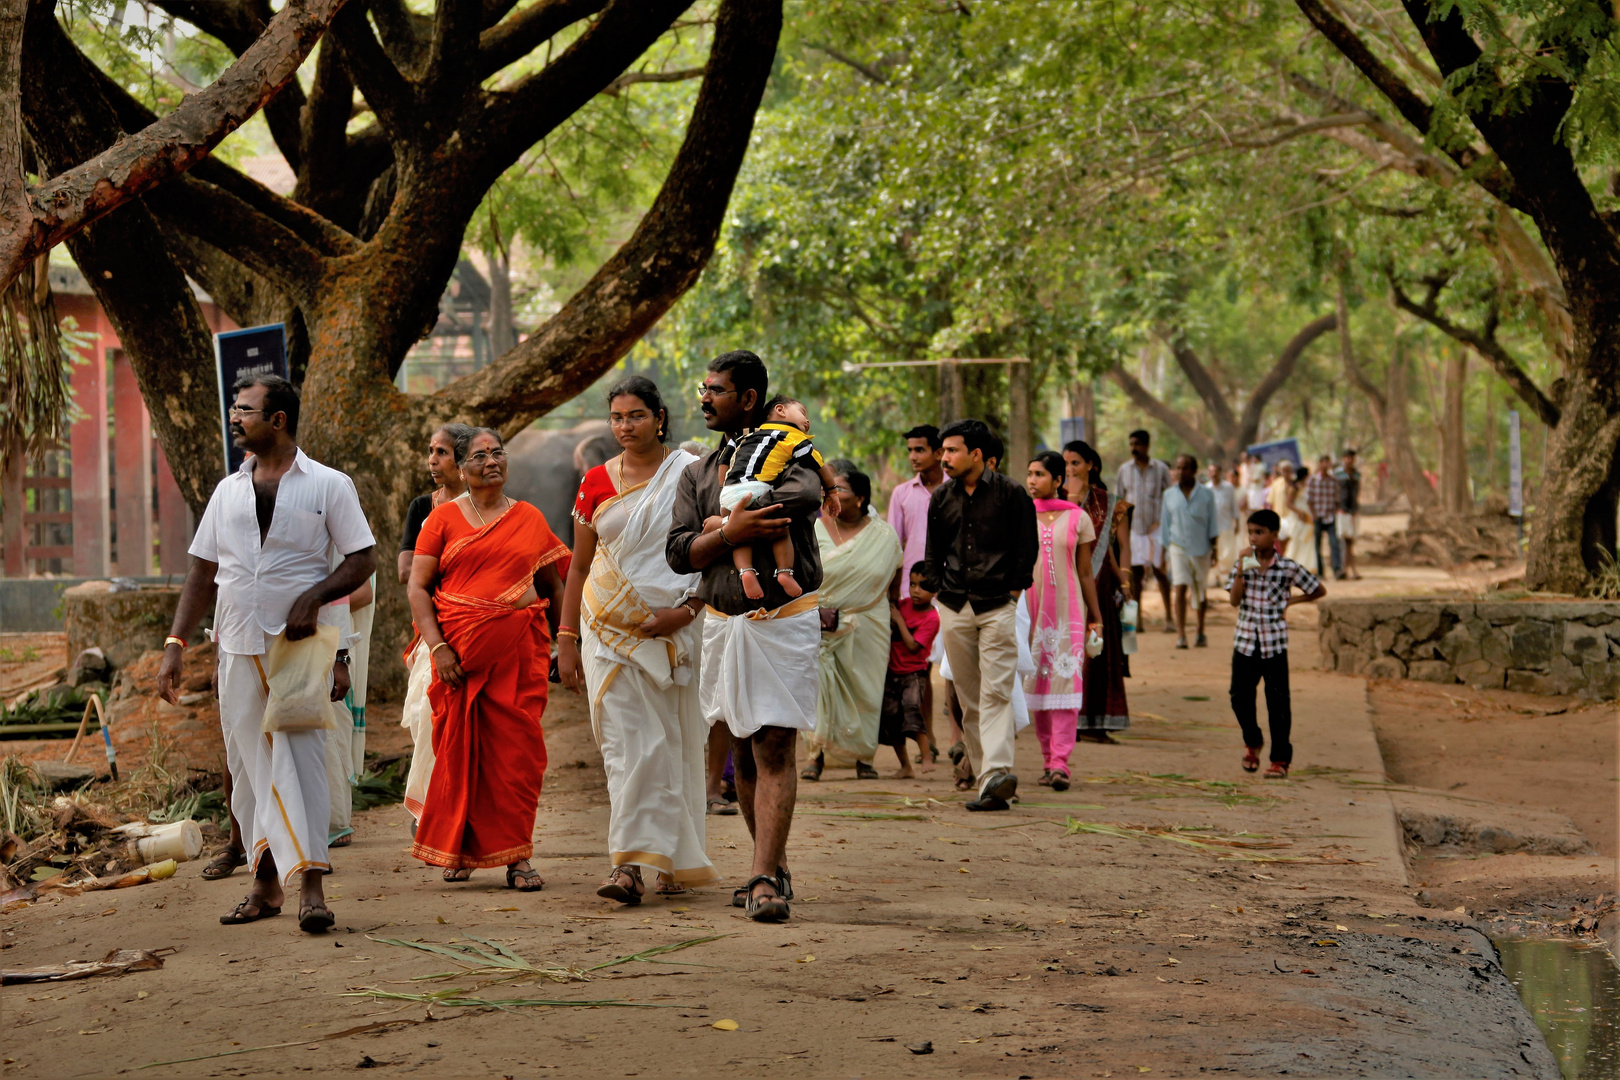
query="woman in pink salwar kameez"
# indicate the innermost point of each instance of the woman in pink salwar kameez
(1058, 601)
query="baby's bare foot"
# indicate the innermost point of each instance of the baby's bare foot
(750, 584)
(784, 578)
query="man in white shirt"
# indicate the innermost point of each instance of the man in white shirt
(1188, 518)
(264, 546)
(1142, 482)
(1226, 519)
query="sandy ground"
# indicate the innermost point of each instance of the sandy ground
(926, 941)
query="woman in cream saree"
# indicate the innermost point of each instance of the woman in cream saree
(859, 555)
(637, 654)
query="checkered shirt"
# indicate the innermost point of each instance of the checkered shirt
(1322, 496)
(1261, 623)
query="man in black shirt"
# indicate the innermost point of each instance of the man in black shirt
(981, 554)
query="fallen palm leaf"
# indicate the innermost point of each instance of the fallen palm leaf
(1225, 847)
(457, 998)
(864, 815)
(646, 955)
(497, 958)
(362, 1029)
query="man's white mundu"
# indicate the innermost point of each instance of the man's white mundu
(759, 669)
(644, 700)
(279, 790)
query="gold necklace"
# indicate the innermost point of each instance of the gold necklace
(621, 467)
(481, 522)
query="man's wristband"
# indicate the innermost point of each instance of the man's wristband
(726, 539)
(172, 640)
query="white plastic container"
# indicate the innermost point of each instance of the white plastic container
(181, 841)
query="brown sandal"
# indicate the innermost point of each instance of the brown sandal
(457, 873)
(668, 886)
(224, 864)
(614, 889)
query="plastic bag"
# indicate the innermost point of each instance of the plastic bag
(1127, 627)
(299, 674)
(1094, 642)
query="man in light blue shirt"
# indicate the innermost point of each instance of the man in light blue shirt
(1191, 526)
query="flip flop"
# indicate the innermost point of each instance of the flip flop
(1251, 761)
(238, 917)
(531, 880)
(721, 807)
(342, 838)
(317, 919)
(224, 864)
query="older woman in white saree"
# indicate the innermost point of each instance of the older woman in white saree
(628, 637)
(859, 555)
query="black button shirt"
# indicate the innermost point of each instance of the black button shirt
(981, 547)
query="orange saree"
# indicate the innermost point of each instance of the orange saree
(489, 751)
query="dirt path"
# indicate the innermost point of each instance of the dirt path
(1010, 946)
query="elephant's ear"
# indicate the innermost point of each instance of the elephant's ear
(593, 451)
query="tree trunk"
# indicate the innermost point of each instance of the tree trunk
(1455, 497)
(1020, 441)
(1575, 513)
(502, 331)
(1397, 432)
(952, 394)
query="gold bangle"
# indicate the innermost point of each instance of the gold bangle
(172, 640)
(568, 634)
(437, 647)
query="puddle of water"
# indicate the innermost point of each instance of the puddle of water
(1573, 991)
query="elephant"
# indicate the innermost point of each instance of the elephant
(545, 468)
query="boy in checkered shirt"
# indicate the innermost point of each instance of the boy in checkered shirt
(1260, 584)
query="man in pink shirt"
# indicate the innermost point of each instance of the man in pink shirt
(908, 504)
(908, 517)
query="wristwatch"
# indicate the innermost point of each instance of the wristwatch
(342, 657)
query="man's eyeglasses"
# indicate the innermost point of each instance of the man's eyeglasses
(237, 410)
(707, 390)
(482, 458)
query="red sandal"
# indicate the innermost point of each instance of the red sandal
(1277, 771)
(1251, 760)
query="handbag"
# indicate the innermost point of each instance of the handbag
(829, 620)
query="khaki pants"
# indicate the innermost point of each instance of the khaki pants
(983, 651)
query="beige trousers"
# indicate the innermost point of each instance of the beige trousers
(983, 651)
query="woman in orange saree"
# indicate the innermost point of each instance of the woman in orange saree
(481, 581)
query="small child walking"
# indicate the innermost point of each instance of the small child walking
(749, 469)
(913, 625)
(1260, 585)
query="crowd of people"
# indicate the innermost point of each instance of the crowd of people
(720, 605)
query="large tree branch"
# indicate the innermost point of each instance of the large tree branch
(1486, 345)
(662, 258)
(1417, 112)
(384, 88)
(405, 34)
(632, 78)
(221, 219)
(1185, 429)
(452, 52)
(516, 119)
(13, 169)
(135, 165)
(1284, 367)
(1203, 383)
(518, 36)
(238, 24)
(1352, 363)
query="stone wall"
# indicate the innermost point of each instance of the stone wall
(1539, 646)
(124, 623)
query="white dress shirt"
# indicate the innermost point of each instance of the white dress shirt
(1226, 507)
(316, 512)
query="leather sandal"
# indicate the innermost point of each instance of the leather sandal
(624, 884)
(812, 771)
(531, 879)
(224, 864)
(766, 908)
(1251, 760)
(668, 886)
(457, 873)
(237, 916)
(316, 919)
(863, 771)
(1277, 770)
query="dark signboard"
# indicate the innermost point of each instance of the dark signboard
(258, 350)
(1273, 452)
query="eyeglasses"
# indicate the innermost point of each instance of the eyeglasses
(707, 390)
(480, 459)
(844, 490)
(236, 410)
(626, 421)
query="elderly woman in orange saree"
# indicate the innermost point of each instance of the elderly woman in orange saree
(482, 578)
